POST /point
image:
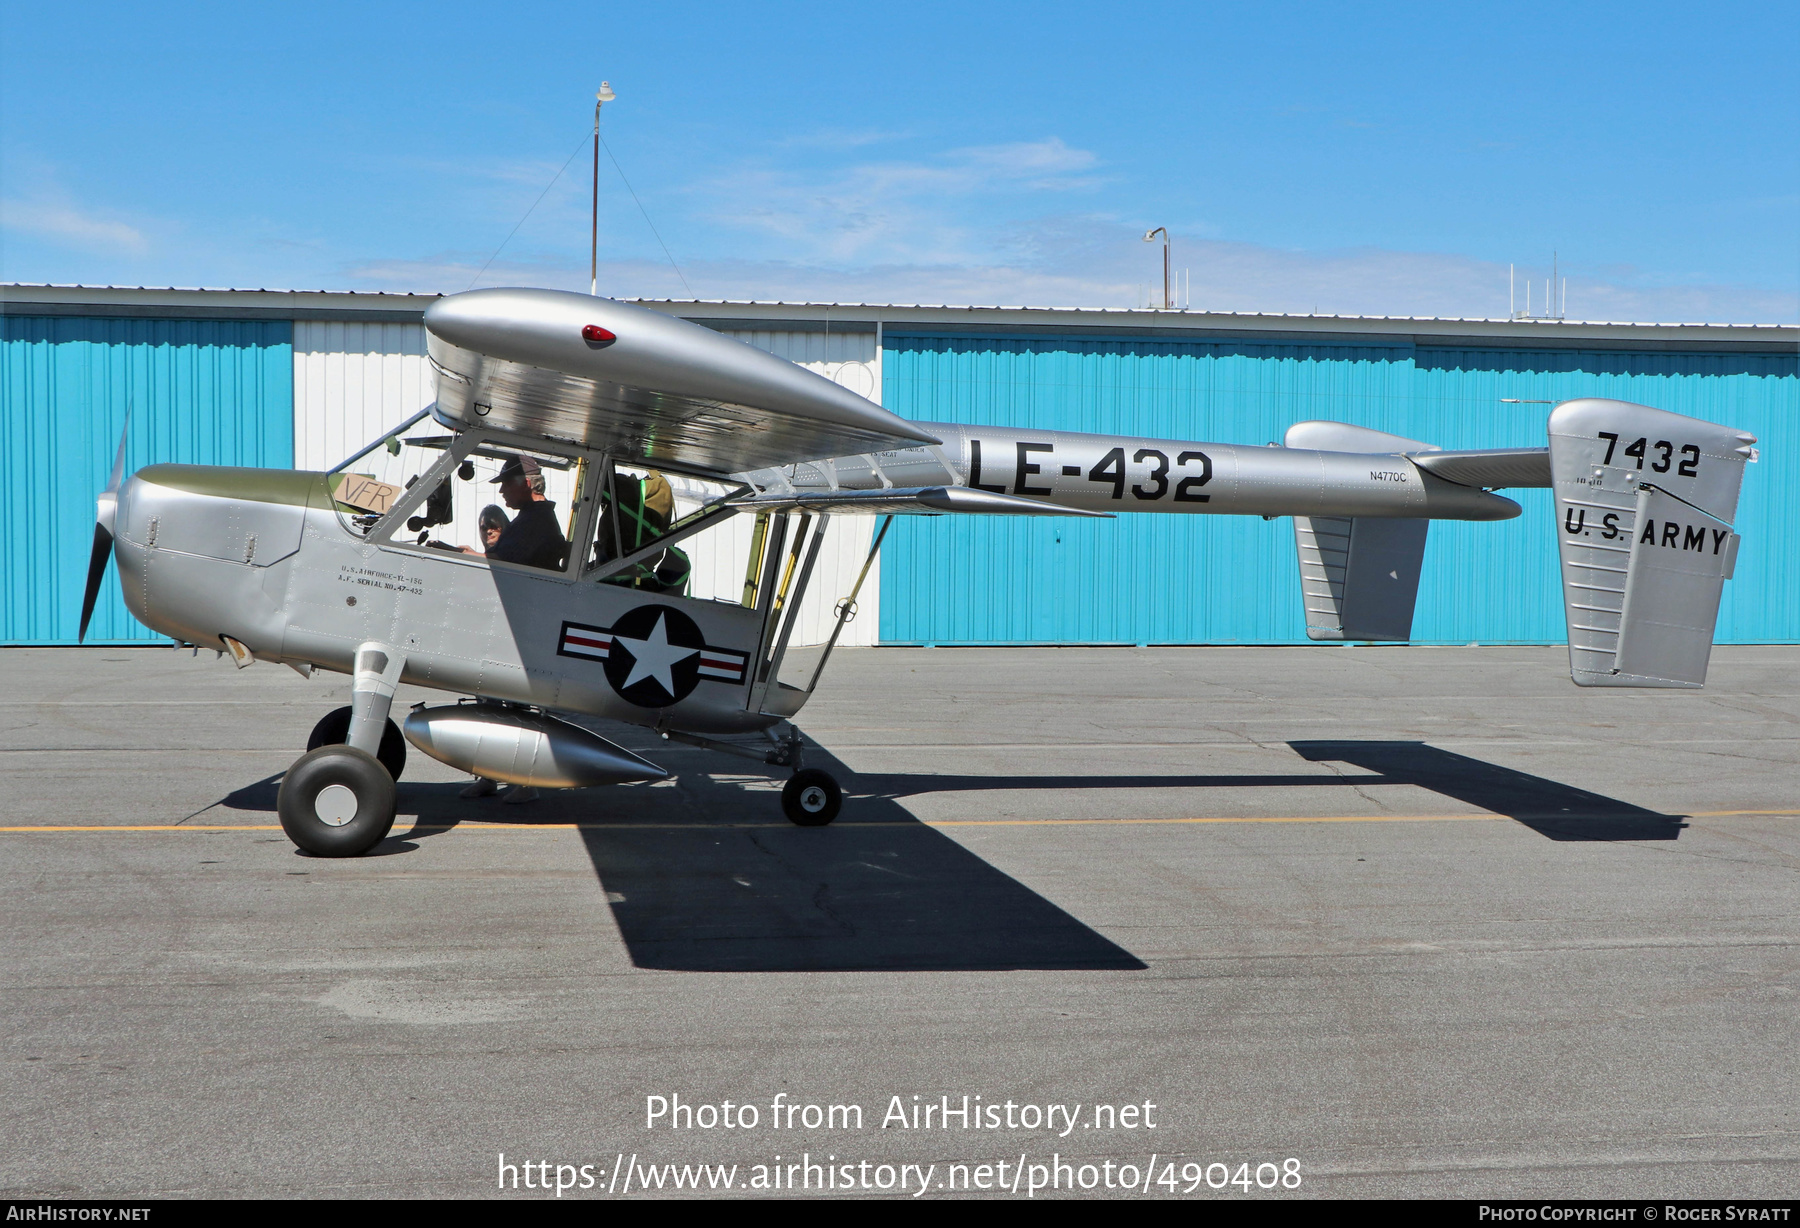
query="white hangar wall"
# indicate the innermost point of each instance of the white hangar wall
(354, 381)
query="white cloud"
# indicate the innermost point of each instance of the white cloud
(1037, 165)
(1379, 281)
(897, 231)
(840, 138)
(910, 211)
(1087, 262)
(66, 224)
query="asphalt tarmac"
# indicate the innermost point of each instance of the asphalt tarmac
(1427, 921)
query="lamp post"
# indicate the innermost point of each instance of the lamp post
(1150, 237)
(604, 96)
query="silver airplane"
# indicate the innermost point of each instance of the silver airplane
(657, 430)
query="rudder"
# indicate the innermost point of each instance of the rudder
(1645, 500)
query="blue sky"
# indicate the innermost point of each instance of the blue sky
(1370, 158)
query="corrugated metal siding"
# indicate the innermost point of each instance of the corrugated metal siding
(850, 359)
(352, 381)
(1759, 393)
(1204, 579)
(207, 392)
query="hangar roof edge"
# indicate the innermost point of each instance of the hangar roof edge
(1423, 330)
(347, 305)
(205, 303)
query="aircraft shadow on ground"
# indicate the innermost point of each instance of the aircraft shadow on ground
(876, 891)
(705, 874)
(708, 875)
(1548, 807)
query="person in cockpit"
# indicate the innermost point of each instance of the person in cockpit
(533, 537)
(492, 523)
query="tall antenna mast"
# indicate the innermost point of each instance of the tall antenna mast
(604, 96)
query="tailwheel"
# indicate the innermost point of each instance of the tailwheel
(811, 798)
(336, 801)
(334, 726)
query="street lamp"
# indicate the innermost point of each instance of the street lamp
(1150, 237)
(604, 96)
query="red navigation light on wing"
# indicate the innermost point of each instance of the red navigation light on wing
(597, 337)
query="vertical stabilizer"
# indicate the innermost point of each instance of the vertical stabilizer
(1359, 576)
(1645, 500)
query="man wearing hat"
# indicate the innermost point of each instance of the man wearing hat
(533, 538)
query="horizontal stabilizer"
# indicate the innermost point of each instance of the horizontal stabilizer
(1489, 468)
(1644, 504)
(918, 501)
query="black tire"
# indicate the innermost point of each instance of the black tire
(811, 798)
(334, 727)
(336, 801)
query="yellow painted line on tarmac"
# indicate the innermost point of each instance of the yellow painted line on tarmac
(1339, 818)
(104, 828)
(1725, 814)
(1324, 818)
(148, 827)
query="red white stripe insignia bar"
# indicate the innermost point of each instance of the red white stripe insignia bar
(579, 641)
(722, 665)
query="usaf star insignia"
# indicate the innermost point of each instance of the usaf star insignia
(654, 655)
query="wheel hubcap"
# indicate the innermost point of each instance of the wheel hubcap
(812, 800)
(335, 805)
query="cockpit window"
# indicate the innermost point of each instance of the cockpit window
(642, 507)
(501, 504)
(371, 482)
(494, 502)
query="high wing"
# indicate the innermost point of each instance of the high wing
(1491, 468)
(640, 385)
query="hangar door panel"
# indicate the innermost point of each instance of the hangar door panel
(204, 392)
(1228, 579)
(1139, 579)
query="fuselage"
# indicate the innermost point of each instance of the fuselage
(272, 560)
(1123, 473)
(269, 559)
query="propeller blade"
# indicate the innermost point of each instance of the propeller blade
(109, 498)
(104, 515)
(103, 541)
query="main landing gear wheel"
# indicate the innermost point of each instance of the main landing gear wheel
(334, 727)
(811, 798)
(336, 801)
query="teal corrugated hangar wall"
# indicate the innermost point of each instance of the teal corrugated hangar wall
(208, 392)
(1159, 579)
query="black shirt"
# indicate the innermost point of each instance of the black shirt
(533, 538)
